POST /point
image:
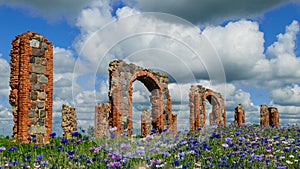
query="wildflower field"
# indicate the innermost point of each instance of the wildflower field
(212, 147)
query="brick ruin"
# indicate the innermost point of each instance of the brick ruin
(269, 116)
(145, 123)
(31, 82)
(197, 97)
(121, 78)
(101, 120)
(69, 121)
(239, 115)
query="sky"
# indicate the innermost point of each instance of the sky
(247, 50)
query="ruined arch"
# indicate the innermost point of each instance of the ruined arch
(198, 96)
(119, 114)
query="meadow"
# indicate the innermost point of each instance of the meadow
(249, 146)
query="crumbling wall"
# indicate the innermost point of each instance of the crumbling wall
(31, 82)
(69, 121)
(274, 116)
(121, 78)
(269, 116)
(145, 123)
(197, 97)
(239, 115)
(101, 120)
(264, 115)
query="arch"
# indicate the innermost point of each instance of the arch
(155, 88)
(121, 78)
(198, 96)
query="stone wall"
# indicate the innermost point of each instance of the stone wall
(69, 121)
(121, 78)
(101, 120)
(264, 115)
(31, 82)
(197, 97)
(145, 123)
(274, 116)
(239, 115)
(269, 116)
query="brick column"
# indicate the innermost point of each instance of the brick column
(31, 83)
(69, 121)
(274, 116)
(157, 110)
(145, 123)
(264, 115)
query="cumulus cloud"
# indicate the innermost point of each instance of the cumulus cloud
(208, 11)
(286, 96)
(240, 45)
(53, 10)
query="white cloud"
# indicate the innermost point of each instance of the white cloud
(240, 45)
(289, 95)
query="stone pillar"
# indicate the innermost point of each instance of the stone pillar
(157, 110)
(145, 123)
(69, 122)
(197, 103)
(101, 120)
(264, 115)
(192, 111)
(31, 82)
(174, 127)
(274, 116)
(239, 115)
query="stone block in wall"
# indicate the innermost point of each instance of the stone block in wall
(37, 68)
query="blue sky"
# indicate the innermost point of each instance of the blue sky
(257, 44)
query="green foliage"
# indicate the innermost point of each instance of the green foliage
(211, 147)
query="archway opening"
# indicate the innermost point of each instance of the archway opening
(140, 103)
(213, 116)
(151, 109)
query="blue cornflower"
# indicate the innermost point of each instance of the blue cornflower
(39, 157)
(75, 133)
(238, 133)
(228, 140)
(114, 164)
(83, 131)
(23, 165)
(2, 148)
(52, 135)
(88, 161)
(44, 162)
(71, 152)
(176, 163)
(64, 141)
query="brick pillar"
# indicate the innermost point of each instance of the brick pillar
(239, 115)
(31, 83)
(174, 127)
(145, 123)
(264, 115)
(116, 108)
(198, 104)
(192, 111)
(156, 100)
(101, 120)
(69, 121)
(274, 116)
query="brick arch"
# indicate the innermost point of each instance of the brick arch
(218, 114)
(198, 96)
(156, 90)
(121, 78)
